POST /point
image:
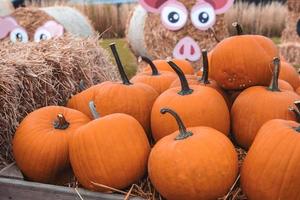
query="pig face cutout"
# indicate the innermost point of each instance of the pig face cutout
(174, 16)
(9, 28)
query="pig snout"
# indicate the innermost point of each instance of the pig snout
(187, 48)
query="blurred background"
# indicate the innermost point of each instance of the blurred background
(265, 17)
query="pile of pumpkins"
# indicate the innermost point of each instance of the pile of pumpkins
(107, 131)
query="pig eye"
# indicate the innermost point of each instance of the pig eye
(298, 27)
(174, 17)
(42, 35)
(203, 16)
(18, 35)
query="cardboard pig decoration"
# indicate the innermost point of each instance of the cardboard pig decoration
(177, 28)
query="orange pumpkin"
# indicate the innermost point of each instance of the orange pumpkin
(289, 74)
(243, 61)
(298, 91)
(41, 142)
(194, 163)
(257, 105)
(284, 85)
(159, 80)
(112, 150)
(162, 65)
(271, 167)
(135, 99)
(197, 105)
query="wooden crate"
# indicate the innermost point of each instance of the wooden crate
(14, 187)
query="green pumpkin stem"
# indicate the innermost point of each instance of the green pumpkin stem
(61, 123)
(82, 86)
(185, 88)
(151, 64)
(119, 64)
(204, 78)
(183, 133)
(274, 83)
(296, 111)
(93, 110)
(238, 27)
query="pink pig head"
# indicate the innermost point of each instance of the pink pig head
(174, 16)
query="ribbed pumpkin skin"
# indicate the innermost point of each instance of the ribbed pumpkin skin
(254, 107)
(135, 100)
(284, 85)
(40, 150)
(160, 82)
(239, 62)
(162, 65)
(289, 74)
(81, 101)
(204, 107)
(271, 168)
(112, 150)
(203, 166)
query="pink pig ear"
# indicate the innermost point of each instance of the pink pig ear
(54, 28)
(7, 24)
(153, 6)
(220, 6)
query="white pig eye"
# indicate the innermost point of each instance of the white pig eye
(174, 17)
(203, 16)
(42, 35)
(19, 35)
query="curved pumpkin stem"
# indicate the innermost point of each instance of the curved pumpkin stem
(119, 64)
(61, 123)
(238, 27)
(183, 133)
(93, 110)
(204, 78)
(185, 88)
(151, 64)
(274, 83)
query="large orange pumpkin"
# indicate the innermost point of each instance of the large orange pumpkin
(289, 74)
(194, 163)
(197, 105)
(112, 150)
(135, 99)
(242, 61)
(271, 167)
(257, 105)
(41, 142)
(162, 65)
(159, 80)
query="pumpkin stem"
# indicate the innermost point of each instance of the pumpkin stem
(183, 133)
(238, 27)
(82, 85)
(119, 64)
(93, 110)
(151, 64)
(274, 83)
(204, 78)
(61, 123)
(185, 88)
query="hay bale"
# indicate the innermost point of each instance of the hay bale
(5, 7)
(73, 21)
(147, 36)
(291, 52)
(47, 73)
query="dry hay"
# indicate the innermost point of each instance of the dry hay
(147, 36)
(291, 52)
(47, 73)
(5, 7)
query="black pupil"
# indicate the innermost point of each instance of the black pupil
(203, 17)
(19, 37)
(43, 37)
(173, 17)
(298, 27)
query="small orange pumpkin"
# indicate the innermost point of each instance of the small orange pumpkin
(271, 167)
(41, 142)
(135, 99)
(198, 106)
(112, 150)
(289, 74)
(243, 61)
(197, 163)
(162, 65)
(257, 105)
(159, 80)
